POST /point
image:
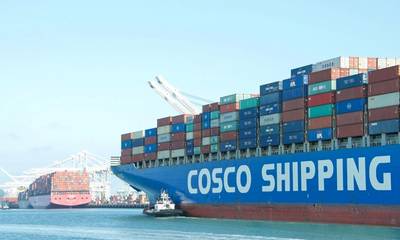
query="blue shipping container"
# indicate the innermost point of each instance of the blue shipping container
(352, 105)
(293, 126)
(319, 134)
(248, 113)
(275, 97)
(270, 88)
(294, 93)
(228, 146)
(126, 144)
(178, 127)
(295, 82)
(150, 148)
(206, 124)
(189, 143)
(269, 140)
(152, 132)
(388, 126)
(137, 142)
(248, 123)
(248, 133)
(189, 151)
(305, 70)
(270, 109)
(269, 130)
(351, 81)
(248, 143)
(293, 137)
(206, 116)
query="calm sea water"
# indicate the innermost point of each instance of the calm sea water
(132, 224)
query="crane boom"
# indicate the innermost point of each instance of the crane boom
(166, 96)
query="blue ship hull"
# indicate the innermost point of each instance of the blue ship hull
(360, 186)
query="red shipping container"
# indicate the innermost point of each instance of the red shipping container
(214, 131)
(177, 145)
(126, 152)
(355, 130)
(178, 136)
(150, 140)
(298, 103)
(125, 159)
(384, 74)
(322, 122)
(206, 133)
(386, 113)
(344, 72)
(214, 106)
(384, 87)
(362, 70)
(205, 149)
(164, 121)
(351, 93)
(125, 136)
(229, 107)
(324, 75)
(320, 99)
(180, 118)
(197, 127)
(197, 134)
(353, 62)
(164, 146)
(150, 156)
(197, 142)
(372, 63)
(349, 118)
(206, 108)
(293, 115)
(197, 118)
(137, 157)
(228, 136)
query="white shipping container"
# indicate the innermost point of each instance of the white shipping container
(353, 71)
(362, 62)
(163, 130)
(189, 135)
(390, 62)
(164, 138)
(163, 154)
(338, 62)
(384, 100)
(381, 63)
(178, 153)
(270, 119)
(138, 150)
(229, 117)
(206, 141)
(137, 134)
(214, 123)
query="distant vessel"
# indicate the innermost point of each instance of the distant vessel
(4, 206)
(23, 200)
(60, 190)
(164, 207)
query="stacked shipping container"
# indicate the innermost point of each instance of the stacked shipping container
(210, 128)
(164, 137)
(132, 147)
(248, 123)
(383, 100)
(270, 114)
(150, 144)
(178, 135)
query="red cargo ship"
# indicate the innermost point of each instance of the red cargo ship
(60, 189)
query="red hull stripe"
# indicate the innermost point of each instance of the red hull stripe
(349, 214)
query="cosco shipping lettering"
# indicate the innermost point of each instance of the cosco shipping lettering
(320, 146)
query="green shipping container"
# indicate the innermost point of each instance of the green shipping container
(214, 115)
(189, 127)
(196, 150)
(233, 98)
(249, 103)
(214, 139)
(214, 148)
(321, 87)
(228, 126)
(320, 111)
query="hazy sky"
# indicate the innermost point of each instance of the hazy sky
(73, 73)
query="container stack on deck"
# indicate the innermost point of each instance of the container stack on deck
(323, 104)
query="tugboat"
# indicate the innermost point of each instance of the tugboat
(4, 206)
(164, 207)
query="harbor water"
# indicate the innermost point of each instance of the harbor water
(127, 224)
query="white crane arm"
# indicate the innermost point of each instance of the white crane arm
(167, 97)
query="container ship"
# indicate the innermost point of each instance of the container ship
(320, 146)
(62, 189)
